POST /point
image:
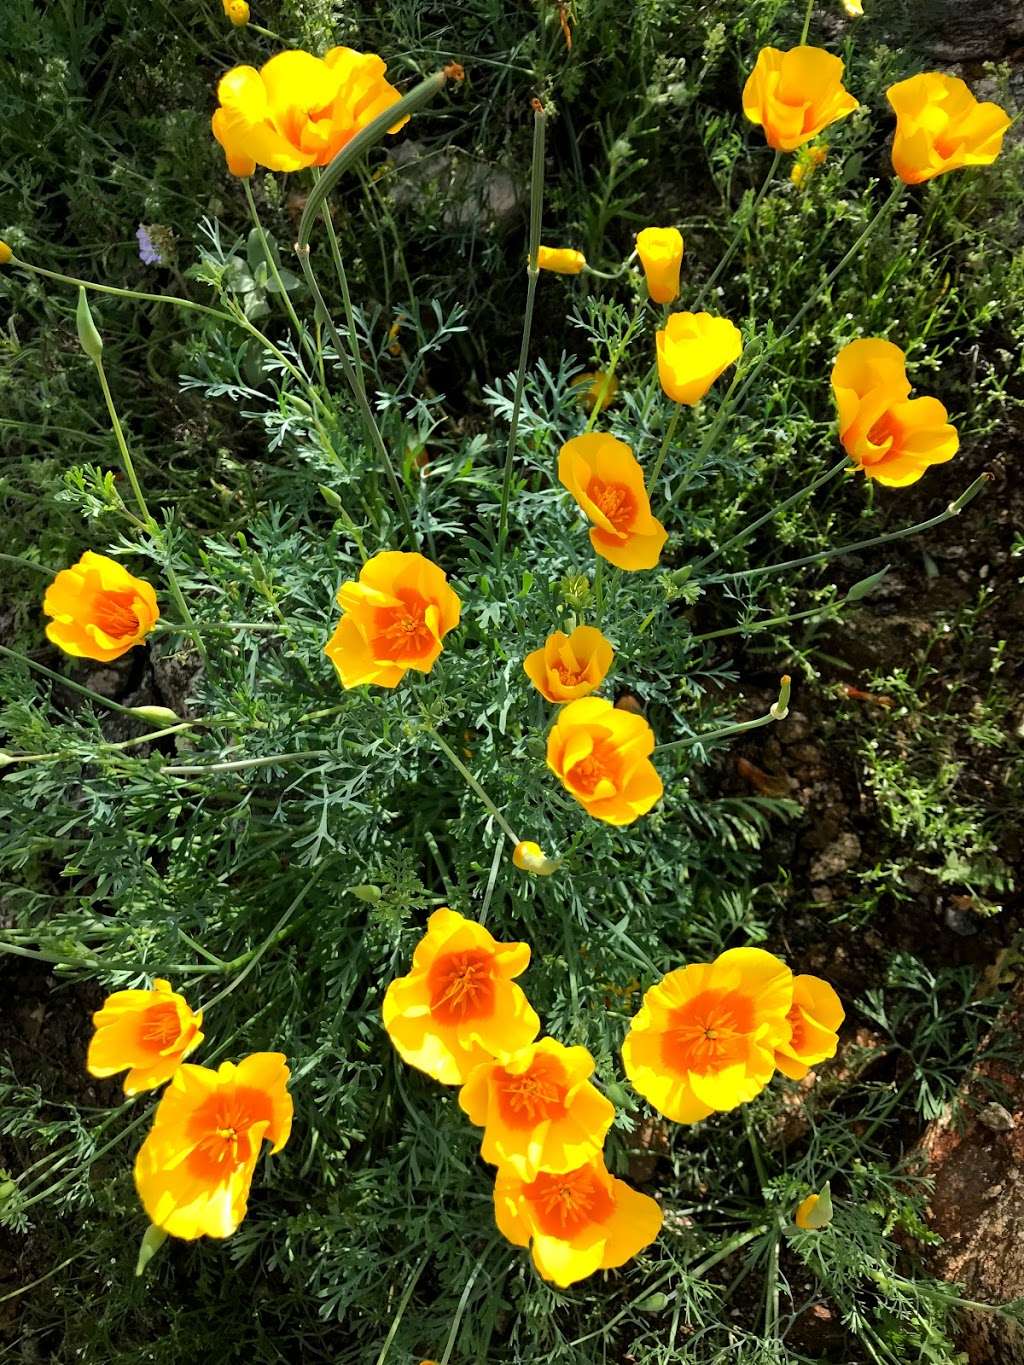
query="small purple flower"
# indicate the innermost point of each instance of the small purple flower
(148, 253)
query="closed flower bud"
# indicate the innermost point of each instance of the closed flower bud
(941, 127)
(530, 857)
(693, 350)
(815, 1212)
(6, 254)
(89, 338)
(794, 95)
(561, 260)
(162, 715)
(237, 11)
(661, 254)
(854, 8)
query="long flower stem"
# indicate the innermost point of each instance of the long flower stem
(272, 262)
(77, 687)
(670, 432)
(532, 272)
(953, 510)
(358, 387)
(472, 783)
(777, 711)
(151, 525)
(804, 492)
(739, 234)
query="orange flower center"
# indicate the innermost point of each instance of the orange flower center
(570, 677)
(402, 632)
(563, 1204)
(160, 1026)
(799, 1026)
(222, 1130)
(884, 430)
(709, 1032)
(534, 1095)
(615, 500)
(599, 764)
(112, 613)
(462, 986)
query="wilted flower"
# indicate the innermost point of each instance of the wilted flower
(941, 127)
(661, 254)
(562, 260)
(569, 666)
(459, 1006)
(395, 618)
(528, 856)
(595, 389)
(146, 1033)
(601, 755)
(814, 1017)
(693, 350)
(299, 110)
(894, 438)
(579, 1222)
(794, 95)
(605, 478)
(99, 609)
(538, 1109)
(194, 1170)
(705, 1037)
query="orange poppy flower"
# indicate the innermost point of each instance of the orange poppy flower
(693, 350)
(299, 110)
(705, 1037)
(194, 1170)
(794, 95)
(100, 610)
(395, 618)
(601, 755)
(941, 127)
(814, 1018)
(569, 666)
(538, 1109)
(561, 260)
(892, 437)
(578, 1222)
(459, 1006)
(604, 477)
(146, 1033)
(661, 255)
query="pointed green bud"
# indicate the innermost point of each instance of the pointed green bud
(89, 338)
(152, 1240)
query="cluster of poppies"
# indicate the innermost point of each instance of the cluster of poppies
(195, 1168)
(708, 1038)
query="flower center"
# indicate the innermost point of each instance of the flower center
(534, 1095)
(884, 431)
(799, 1027)
(586, 774)
(563, 1204)
(160, 1026)
(402, 632)
(462, 986)
(570, 677)
(112, 613)
(615, 500)
(223, 1126)
(709, 1032)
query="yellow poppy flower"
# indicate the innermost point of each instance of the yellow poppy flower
(569, 666)
(814, 1017)
(705, 1037)
(146, 1033)
(941, 127)
(661, 255)
(854, 8)
(595, 389)
(99, 610)
(237, 11)
(194, 1170)
(605, 478)
(459, 1006)
(578, 1222)
(794, 95)
(601, 755)
(395, 618)
(892, 437)
(299, 110)
(538, 1109)
(693, 350)
(561, 260)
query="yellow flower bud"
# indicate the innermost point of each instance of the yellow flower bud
(530, 857)
(6, 254)
(237, 11)
(854, 8)
(562, 260)
(661, 254)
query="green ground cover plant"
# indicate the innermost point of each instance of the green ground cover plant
(274, 844)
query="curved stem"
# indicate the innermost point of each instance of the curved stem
(272, 262)
(471, 782)
(532, 272)
(779, 710)
(739, 234)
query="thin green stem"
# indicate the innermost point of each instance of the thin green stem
(100, 748)
(953, 510)
(532, 272)
(28, 564)
(807, 22)
(346, 296)
(77, 687)
(472, 783)
(754, 626)
(804, 492)
(239, 765)
(670, 432)
(272, 262)
(779, 710)
(738, 235)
